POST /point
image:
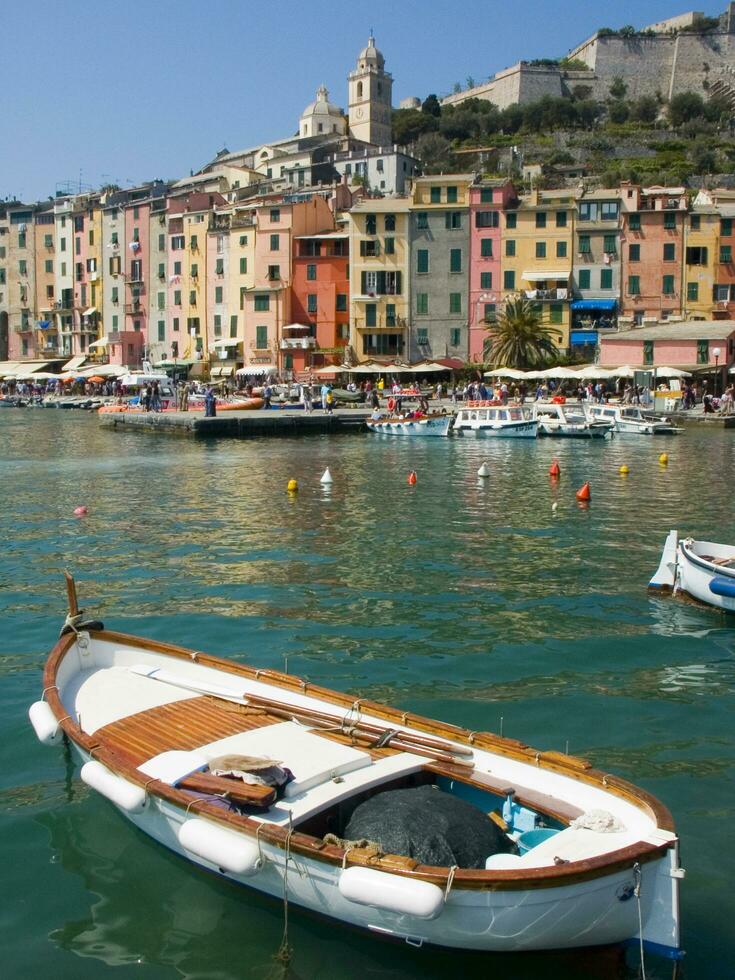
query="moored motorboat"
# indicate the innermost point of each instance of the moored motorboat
(631, 420)
(411, 424)
(180, 742)
(565, 420)
(704, 570)
(486, 420)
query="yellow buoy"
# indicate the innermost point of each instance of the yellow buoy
(292, 486)
(663, 459)
(623, 470)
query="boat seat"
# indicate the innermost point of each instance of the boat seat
(574, 845)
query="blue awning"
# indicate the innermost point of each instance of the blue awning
(594, 304)
(579, 337)
(44, 324)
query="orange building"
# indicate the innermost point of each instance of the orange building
(652, 245)
(320, 305)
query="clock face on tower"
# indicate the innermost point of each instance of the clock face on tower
(358, 112)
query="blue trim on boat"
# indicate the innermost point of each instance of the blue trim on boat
(657, 949)
(723, 587)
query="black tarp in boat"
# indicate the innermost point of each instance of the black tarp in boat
(430, 826)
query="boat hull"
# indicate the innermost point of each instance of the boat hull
(590, 914)
(417, 428)
(506, 430)
(696, 568)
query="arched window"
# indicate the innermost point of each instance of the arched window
(380, 88)
(359, 90)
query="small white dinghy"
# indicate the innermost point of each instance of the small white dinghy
(180, 742)
(704, 570)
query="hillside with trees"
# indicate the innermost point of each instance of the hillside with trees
(647, 140)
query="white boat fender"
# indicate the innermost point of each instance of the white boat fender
(391, 893)
(228, 850)
(44, 722)
(119, 791)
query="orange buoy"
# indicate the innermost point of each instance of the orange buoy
(80, 511)
(584, 492)
(554, 469)
(412, 478)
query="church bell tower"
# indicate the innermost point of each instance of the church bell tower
(370, 91)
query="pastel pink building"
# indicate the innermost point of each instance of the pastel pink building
(488, 202)
(135, 275)
(695, 346)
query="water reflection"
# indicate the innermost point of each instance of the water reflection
(466, 601)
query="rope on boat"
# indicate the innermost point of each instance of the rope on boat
(51, 687)
(637, 877)
(284, 952)
(261, 856)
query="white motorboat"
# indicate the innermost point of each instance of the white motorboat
(568, 420)
(438, 424)
(176, 740)
(496, 421)
(632, 420)
(704, 570)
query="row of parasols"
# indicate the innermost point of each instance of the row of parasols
(592, 372)
(95, 374)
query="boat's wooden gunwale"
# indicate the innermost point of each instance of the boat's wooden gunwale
(511, 880)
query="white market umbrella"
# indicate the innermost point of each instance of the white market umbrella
(559, 372)
(669, 372)
(625, 371)
(593, 372)
(512, 373)
(331, 369)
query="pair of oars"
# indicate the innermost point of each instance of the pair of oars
(375, 735)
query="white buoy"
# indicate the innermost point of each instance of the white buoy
(484, 470)
(326, 477)
(554, 507)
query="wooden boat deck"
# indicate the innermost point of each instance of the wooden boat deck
(181, 725)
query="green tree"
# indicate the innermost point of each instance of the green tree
(685, 106)
(431, 106)
(703, 157)
(627, 31)
(618, 89)
(456, 88)
(519, 339)
(409, 124)
(470, 82)
(434, 152)
(644, 110)
(618, 112)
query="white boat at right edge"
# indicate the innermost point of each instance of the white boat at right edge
(632, 420)
(704, 570)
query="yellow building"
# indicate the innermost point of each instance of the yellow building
(701, 255)
(379, 278)
(537, 257)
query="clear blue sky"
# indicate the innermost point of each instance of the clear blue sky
(153, 88)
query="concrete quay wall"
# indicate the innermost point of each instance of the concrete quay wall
(238, 425)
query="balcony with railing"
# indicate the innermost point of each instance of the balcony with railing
(547, 294)
(134, 309)
(381, 323)
(297, 343)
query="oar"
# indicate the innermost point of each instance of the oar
(406, 741)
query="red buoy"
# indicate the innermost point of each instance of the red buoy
(584, 492)
(554, 469)
(80, 511)
(412, 478)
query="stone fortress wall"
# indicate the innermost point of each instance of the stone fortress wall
(664, 63)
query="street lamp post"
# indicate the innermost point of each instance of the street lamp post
(716, 354)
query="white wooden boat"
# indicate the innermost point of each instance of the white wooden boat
(632, 420)
(704, 570)
(438, 424)
(569, 421)
(496, 421)
(148, 719)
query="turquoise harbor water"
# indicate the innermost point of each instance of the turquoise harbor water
(467, 601)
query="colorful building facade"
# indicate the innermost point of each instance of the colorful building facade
(489, 201)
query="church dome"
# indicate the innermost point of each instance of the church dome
(322, 106)
(370, 56)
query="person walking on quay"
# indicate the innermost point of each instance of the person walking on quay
(210, 404)
(147, 396)
(267, 395)
(375, 398)
(155, 397)
(323, 393)
(306, 398)
(330, 402)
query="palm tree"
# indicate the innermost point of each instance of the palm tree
(519, 339)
